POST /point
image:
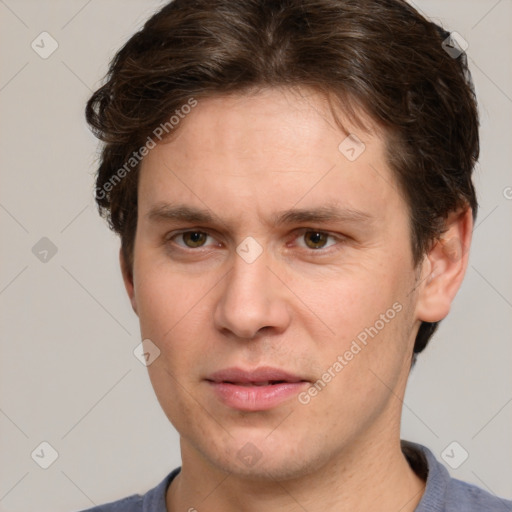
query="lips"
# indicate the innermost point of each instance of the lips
(255, 390)
(258, 383)
(260, 376)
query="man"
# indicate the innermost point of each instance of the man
(291, 181)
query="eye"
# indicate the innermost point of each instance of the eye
(316, 239)
(191, 239)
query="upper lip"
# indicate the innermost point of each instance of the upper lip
(258, 375)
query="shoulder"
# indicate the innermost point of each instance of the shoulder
(463, 496)
(444, 493)
(129, 504)
(152, 501)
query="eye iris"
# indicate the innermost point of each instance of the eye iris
(194, 238)
(315, 239)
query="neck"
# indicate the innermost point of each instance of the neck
(364, 477)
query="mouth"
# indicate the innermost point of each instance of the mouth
(263, 376)
(255, 390)
(258, 383)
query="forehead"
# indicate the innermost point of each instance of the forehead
(258, 151)
(273, 123)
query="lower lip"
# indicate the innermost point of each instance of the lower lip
(255, 398)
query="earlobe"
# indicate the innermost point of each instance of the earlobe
(444, 268)
(127, 274)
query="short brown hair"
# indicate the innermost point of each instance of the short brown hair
(379, 56)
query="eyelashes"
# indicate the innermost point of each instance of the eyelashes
(306, 239)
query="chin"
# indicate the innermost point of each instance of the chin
(264, 461)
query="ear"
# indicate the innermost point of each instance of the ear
(128, 280)
(443, 268)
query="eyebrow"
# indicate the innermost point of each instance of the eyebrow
(327, 213)
(321, 214)
(163, 212)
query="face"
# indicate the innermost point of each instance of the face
(274, 273)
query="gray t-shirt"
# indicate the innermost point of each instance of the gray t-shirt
(442, 493)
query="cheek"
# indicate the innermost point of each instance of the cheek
(174, 312)
(350, 300)
(368, 315)
(363, 370)
(165, 298)
(170, 312)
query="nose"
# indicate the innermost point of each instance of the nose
(253, 301)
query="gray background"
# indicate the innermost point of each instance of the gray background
(68, 375)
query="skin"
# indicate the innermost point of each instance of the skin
(246, 158)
